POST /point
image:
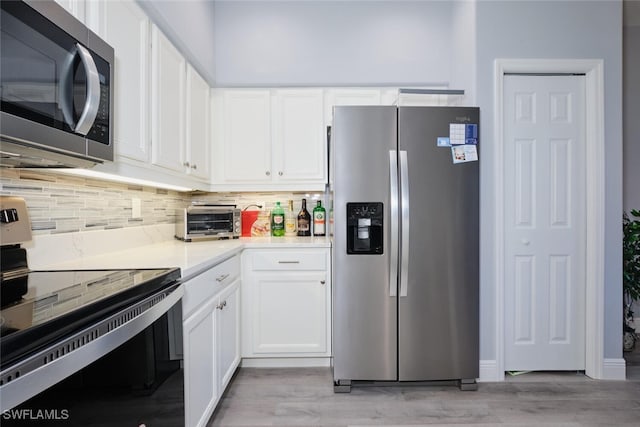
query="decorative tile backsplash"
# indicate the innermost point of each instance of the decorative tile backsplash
(60, 203)
(63, 204)
(267, 200)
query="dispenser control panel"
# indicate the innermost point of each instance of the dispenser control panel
(365, 228)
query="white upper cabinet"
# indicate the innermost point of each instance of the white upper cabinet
(161, 105)
(244, 155)
(299, 137)
(198, 153)
(269, 139)
(125, 26)
(180, 106)
(167, 103)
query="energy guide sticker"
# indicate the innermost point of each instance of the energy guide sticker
(456, 133)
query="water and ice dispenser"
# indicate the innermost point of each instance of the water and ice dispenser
(364, 228)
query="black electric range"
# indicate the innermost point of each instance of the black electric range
(50, 305)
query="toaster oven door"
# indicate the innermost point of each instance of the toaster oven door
(210, 224)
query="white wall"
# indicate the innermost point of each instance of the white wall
(463, 45)
(332, 43)
(631, 114)
(189, 24)
(558, 29)
(631, 153)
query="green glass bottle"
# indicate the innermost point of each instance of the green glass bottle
(277, 221)
(319, 220)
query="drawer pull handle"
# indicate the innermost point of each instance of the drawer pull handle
(222, 305)
(322, 282)
(288, 262)
(221, 278)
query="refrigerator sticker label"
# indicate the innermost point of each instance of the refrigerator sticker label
(443, 141)
(464, 153)
(471, 134)
(460, 134)
(457, 133)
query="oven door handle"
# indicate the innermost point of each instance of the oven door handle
(58, 361)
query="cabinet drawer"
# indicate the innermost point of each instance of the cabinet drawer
(306, 259)
(205, 285)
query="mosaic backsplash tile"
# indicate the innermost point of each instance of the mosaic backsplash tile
(63, 204)
(60, 203)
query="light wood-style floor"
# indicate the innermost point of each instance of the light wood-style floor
(304, 397)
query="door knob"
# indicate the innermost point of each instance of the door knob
(267, 173)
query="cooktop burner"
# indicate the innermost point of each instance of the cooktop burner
(53, 304)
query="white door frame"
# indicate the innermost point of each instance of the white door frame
(595, 214)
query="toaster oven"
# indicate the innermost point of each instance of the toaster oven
(208, 222)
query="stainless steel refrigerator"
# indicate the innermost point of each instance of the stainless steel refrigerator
(404, 182)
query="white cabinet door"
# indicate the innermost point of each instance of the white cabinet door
(228, 333)
(270, 139)
(286, 300)
(125, 26)
(200, 376)
(246, 145)
(167, 103)
(198, 136)
(299, 144)
(289, 313)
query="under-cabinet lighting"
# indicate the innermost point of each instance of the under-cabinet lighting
(88, 173)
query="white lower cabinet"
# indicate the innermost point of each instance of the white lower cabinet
(200, 377)
(286, 296)
(228, 333)
(211, 338)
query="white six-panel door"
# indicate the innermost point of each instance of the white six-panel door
(544, 222)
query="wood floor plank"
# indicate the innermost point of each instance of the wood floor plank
(305, 397)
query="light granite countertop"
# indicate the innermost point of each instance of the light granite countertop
(191, 257)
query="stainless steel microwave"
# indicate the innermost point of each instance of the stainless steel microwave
(208, 222)
(56, 91)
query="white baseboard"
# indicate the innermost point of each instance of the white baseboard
(489, 371)
(286, 362)
(614, 369)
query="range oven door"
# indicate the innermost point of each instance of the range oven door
(114, 373)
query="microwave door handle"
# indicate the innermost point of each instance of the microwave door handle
(66, 91)
(90, 110)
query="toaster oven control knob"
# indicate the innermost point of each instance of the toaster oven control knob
(8, 216)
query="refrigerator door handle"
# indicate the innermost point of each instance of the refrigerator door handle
(404, 251)
(393, 268)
